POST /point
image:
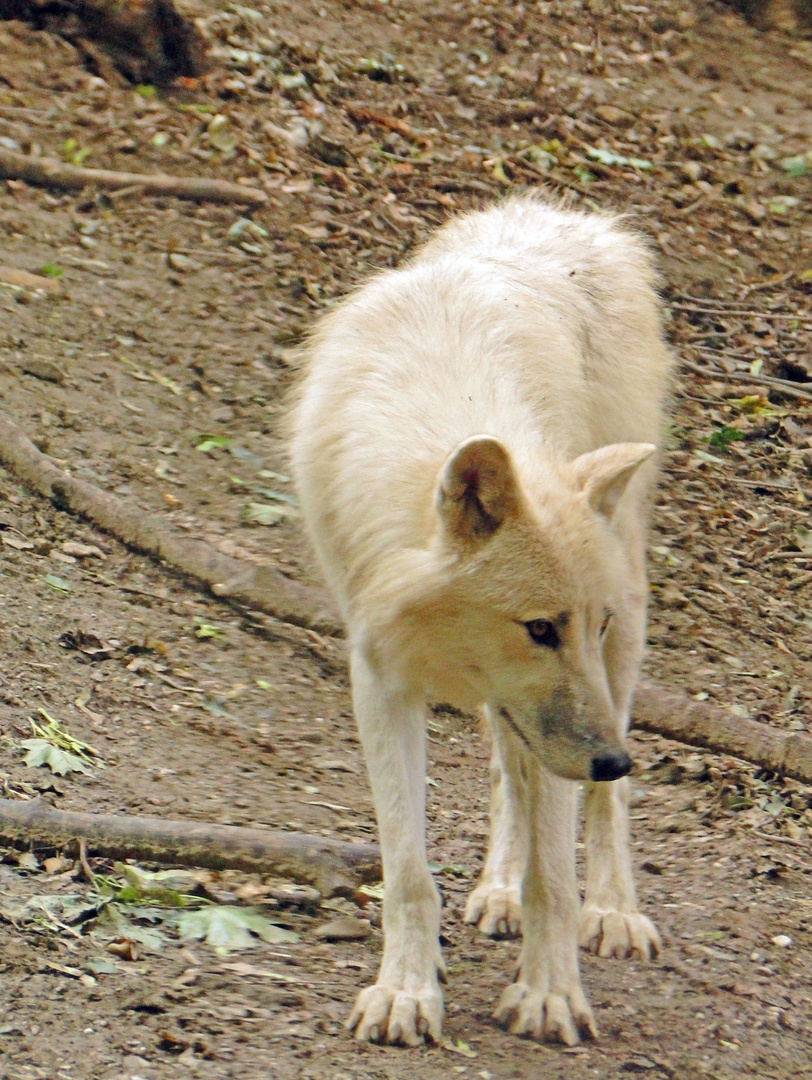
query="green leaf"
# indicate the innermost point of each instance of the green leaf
(51, 270)
(206, 630)
(111, 922)
(51, 732)
(164, 887)
(799, 165)
(57, 583)
(725, 436)
(145, 91)
(228, 928)
(583, 174)
(61, 762)
(782, 204)
(608, 157)
(207, 443)
(754, 405)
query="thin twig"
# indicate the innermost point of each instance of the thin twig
(800, 582)
(89, 876)
(782, 839)
(750, 314)
(774, 485)
(783, 385)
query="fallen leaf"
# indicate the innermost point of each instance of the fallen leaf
(228, 928)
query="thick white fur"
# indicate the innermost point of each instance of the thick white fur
(470, 446)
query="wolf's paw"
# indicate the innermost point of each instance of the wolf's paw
(496, 909)
(525, 1011)
(393, 1015)
(618, 934)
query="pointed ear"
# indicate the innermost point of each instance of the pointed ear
(477, 490)
(604, 474)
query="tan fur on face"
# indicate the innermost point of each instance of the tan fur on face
(472, 444)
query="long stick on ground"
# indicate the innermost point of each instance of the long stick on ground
(332, 866)
(48, 172)
(698, 724)
(262, 587)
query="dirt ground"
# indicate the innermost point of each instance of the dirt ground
(156, 366)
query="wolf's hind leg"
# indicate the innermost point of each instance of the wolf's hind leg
(611, 924)
(495, 905)
(406, 1002)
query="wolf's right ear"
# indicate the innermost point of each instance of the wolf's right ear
(477, 490)
(604, 474)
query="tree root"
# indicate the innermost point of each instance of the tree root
(48, 172)
(332, 866)
(697, 723)
(674, 716)
(262, 587)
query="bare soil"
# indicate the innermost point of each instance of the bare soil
(367, 124)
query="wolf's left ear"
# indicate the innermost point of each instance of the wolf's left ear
(604, 474)
(477, 489)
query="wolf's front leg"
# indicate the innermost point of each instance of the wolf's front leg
(406, 1003)
(495, 905)
(547, 1001)
(611, 924)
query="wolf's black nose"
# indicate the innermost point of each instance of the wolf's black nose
(610, 766)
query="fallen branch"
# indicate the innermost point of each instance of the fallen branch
(331, 866)
(697, 723)
(262, 587)
(48, 172)
(672, 715)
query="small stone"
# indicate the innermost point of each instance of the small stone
(344, 928)
(611, 114)
(741, 140)
(43, 369)
(182, 262)
(783, 941)
(288, 895)
(755, 211)
(330, 152)
(692, 171)
(762, 152)
(82, 551)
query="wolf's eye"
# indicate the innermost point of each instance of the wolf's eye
(605, 624)
(543, 632)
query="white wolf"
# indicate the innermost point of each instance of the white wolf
(473, 446)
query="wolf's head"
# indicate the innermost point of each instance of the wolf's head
(541, 601)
